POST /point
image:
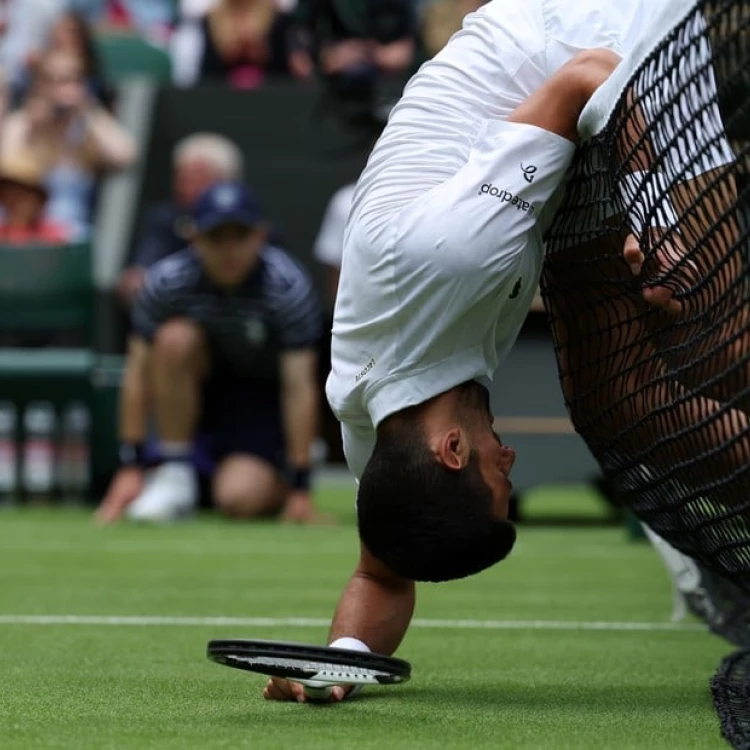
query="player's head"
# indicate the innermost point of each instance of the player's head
(432, 503)
(229, 232)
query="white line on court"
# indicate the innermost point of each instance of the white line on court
(319, 622)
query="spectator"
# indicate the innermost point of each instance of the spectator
(224, 346)
(198, 162)
(24, 26)
(23, 196)
(72, 138)
(328, 251)
(353, 42)
(329, 244)
(440, 19)
(237, 41)
(4, 97)
(71, 34)
(195, 8)
(152, 19)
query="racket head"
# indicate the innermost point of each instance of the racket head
(304, 661)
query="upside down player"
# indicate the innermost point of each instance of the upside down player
(443, 255)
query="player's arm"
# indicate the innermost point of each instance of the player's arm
(299, 403)
(557, 104)
(128, 481)
(375, 608)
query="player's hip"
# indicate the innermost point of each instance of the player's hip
(469, 206)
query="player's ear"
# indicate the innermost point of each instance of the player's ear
(451, 448)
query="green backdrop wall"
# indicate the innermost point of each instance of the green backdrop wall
(297, 155)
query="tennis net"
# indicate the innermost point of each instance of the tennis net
(663, 398)
(730, 689)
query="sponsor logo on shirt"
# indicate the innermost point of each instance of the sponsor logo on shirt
(364, 370)
(516, 289)
(507, 197)
(528, 172)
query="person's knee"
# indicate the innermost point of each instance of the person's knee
(245, 502)
(234, 503)
(179, 343)
(247, 490)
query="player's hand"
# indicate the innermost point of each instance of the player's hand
(277, 689)
(126, 485)
(670, 261)
(299, 508)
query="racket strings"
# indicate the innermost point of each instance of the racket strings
(322, 670)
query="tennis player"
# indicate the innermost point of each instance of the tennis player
(443, 254)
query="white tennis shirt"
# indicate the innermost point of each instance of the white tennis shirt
(416, 318)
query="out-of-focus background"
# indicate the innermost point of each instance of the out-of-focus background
(116, 114)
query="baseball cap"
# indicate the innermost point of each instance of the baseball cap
(226, 203)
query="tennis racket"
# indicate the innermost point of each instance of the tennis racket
(303, 662)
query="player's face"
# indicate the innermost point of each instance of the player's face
(495, 458)
(495, 462)
(229, 252)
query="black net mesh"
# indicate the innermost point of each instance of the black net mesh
(730, 688)
(663, 397)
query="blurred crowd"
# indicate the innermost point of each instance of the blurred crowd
(63, 129)
(58, 130)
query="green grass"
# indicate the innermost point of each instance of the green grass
(107, 686)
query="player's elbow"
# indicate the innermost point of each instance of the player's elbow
(588, 70)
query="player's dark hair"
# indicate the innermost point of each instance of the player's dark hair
(422, 520)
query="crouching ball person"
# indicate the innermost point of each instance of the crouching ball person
(223, 360)
(443, 253)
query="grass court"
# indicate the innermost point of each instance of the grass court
(568, 644)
